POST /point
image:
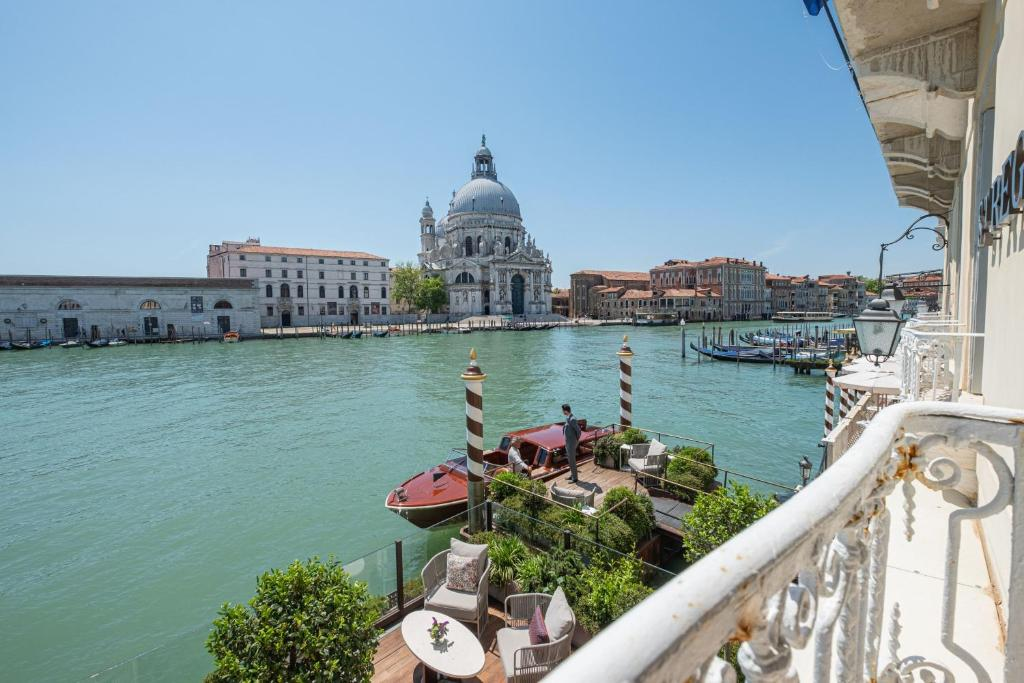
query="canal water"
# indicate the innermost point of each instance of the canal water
(143, 486)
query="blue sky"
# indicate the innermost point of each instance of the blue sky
(134, 134)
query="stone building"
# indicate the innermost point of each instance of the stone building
(300, 287)
(684, 304)
(837, 294)
(588, 288)
(490, 264)
(140, 308)
(739, 282)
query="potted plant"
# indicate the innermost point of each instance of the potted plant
(607, 591)
(506, 553)
(308, 622)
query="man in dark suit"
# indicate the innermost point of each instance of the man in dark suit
(571, 431)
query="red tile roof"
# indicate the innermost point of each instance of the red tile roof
(295, 251)
(616, 274)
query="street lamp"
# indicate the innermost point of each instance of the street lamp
(878, 331)
(940, 238)
(805, 469)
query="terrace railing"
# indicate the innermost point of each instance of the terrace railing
(812, 575)
(929, 352)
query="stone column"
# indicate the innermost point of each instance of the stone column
(625, 355)
(474, 378)
(830, 397)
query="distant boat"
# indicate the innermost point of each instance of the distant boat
(381, 334)
(20, 346)
(346, 335)
(97, 343)
(70, 344)
(358, 334)
(803, 317)
(5, 346)
(231, 337)
(117, 342)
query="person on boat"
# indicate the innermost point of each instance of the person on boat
(571, 430)
(515, 460)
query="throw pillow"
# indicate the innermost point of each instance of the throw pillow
(559, 617)
(478, 551)
(462, 573)
(538, 631)
(657, 448)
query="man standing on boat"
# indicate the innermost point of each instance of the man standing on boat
(571, 431)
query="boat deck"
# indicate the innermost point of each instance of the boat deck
(394, 662)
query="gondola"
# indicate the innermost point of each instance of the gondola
(381, 334)
(70, 344)
(97, 343)
(734, 355)
(6, 346)
(21, 346)
(358, 334)
(345, 335)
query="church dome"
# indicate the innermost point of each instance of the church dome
(486, 195)
(428, 211)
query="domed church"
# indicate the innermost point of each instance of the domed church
(488, 260)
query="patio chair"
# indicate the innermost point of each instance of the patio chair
(653, 461)
(464, 606)
(522, 661)
(572, 497)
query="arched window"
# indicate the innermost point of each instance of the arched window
(383, 292)
(323, 292)
(469, 246)
(69, 305)
(366, 292)
(341, 291)
(270, 291)
(299, 291)
(464, 278)
(353, 292)
(508, 244)
(285, 289)
(223, 303)
(149, 305)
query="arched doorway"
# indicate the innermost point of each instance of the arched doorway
(518, 293)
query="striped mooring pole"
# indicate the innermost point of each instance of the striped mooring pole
(625, 355)
(844, 402)
(830, 397)
(474, 378)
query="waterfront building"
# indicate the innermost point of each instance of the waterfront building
(589, 288)
(925, 286)
(849, 296)
(837, 294)
(904, 559)
(136, 308)
(740, 283)
(301, 287)
(686, 304)
(489, 262)
(560, 302)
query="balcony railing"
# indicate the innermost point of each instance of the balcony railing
(805, 591)
(929, 352)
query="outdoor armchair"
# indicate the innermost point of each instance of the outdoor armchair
(523, 662)
(463, 606)
(652, 461)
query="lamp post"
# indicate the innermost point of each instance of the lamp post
(908, 234)
(805, 469)
(878, 331)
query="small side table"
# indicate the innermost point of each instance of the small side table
(462, 656)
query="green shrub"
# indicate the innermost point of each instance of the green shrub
(716, 517)
(506, 554)
(631, 436)
(484, 537)
(606, 449)
(413, 587)
(545, 571)
(608, 531)
(634, 509)
(309, 622)
(506, 484)
(691, 468)
(607, 591)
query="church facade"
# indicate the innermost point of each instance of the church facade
(490, 264)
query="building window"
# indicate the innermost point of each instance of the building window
(285, 289)
(464, 278)
(366, 292)
(323, 310)
(383, 292)
(341, 262)
(270, 291)
(299, 259)
(223, 303)
(352, 276)
(332, 308)
(321, 260)
(149, 305)
(241, 257)
(241, 272)
(366, 310)
(323, 292)
(366, 263)
(321, 275)
(341, 291)
(284, 259)
(299, 292)
(266, 258)
(268, 273)
(302, 310)
(284, 273)
(366, 276)
(270, 311)
(383, 310)
(383, 264)
(69, 305)
(351, 263)
(298, 274)
(353, 292)
(384, 276)
(469, 246)
(197, 304)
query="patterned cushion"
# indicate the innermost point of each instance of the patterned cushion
(478, 551)
(538, 631)
(463, 573)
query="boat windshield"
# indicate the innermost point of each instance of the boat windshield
(457, 464)
(505, 441)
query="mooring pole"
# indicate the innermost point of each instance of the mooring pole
(474, 378)
(830, 397)
(625, 355)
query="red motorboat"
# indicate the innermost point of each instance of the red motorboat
(440, 492)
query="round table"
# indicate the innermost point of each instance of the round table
(462, 656)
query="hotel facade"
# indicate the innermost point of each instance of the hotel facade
(305, 287)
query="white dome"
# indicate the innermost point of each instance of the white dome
(485, 195)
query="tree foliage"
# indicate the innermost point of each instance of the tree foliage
(634, 509)
(693, 471)
(431, 294)
(405, 279)
(308, 622)
(872, 284)
(717, 517)
(607, 591)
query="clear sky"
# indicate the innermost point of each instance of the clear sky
(133, 134)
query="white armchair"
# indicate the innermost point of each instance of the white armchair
(652, 460)
(460, 605)
(522, 661)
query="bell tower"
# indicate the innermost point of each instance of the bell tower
(427, 226)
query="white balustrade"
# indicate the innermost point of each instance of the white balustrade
(810, 579)
(929, 352)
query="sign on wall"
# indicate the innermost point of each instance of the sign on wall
(1005, 197)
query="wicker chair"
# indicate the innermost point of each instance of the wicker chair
(523, 662)
(572, 497)
(648, 459)
(463, 606)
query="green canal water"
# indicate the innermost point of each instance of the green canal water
(141, 487)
